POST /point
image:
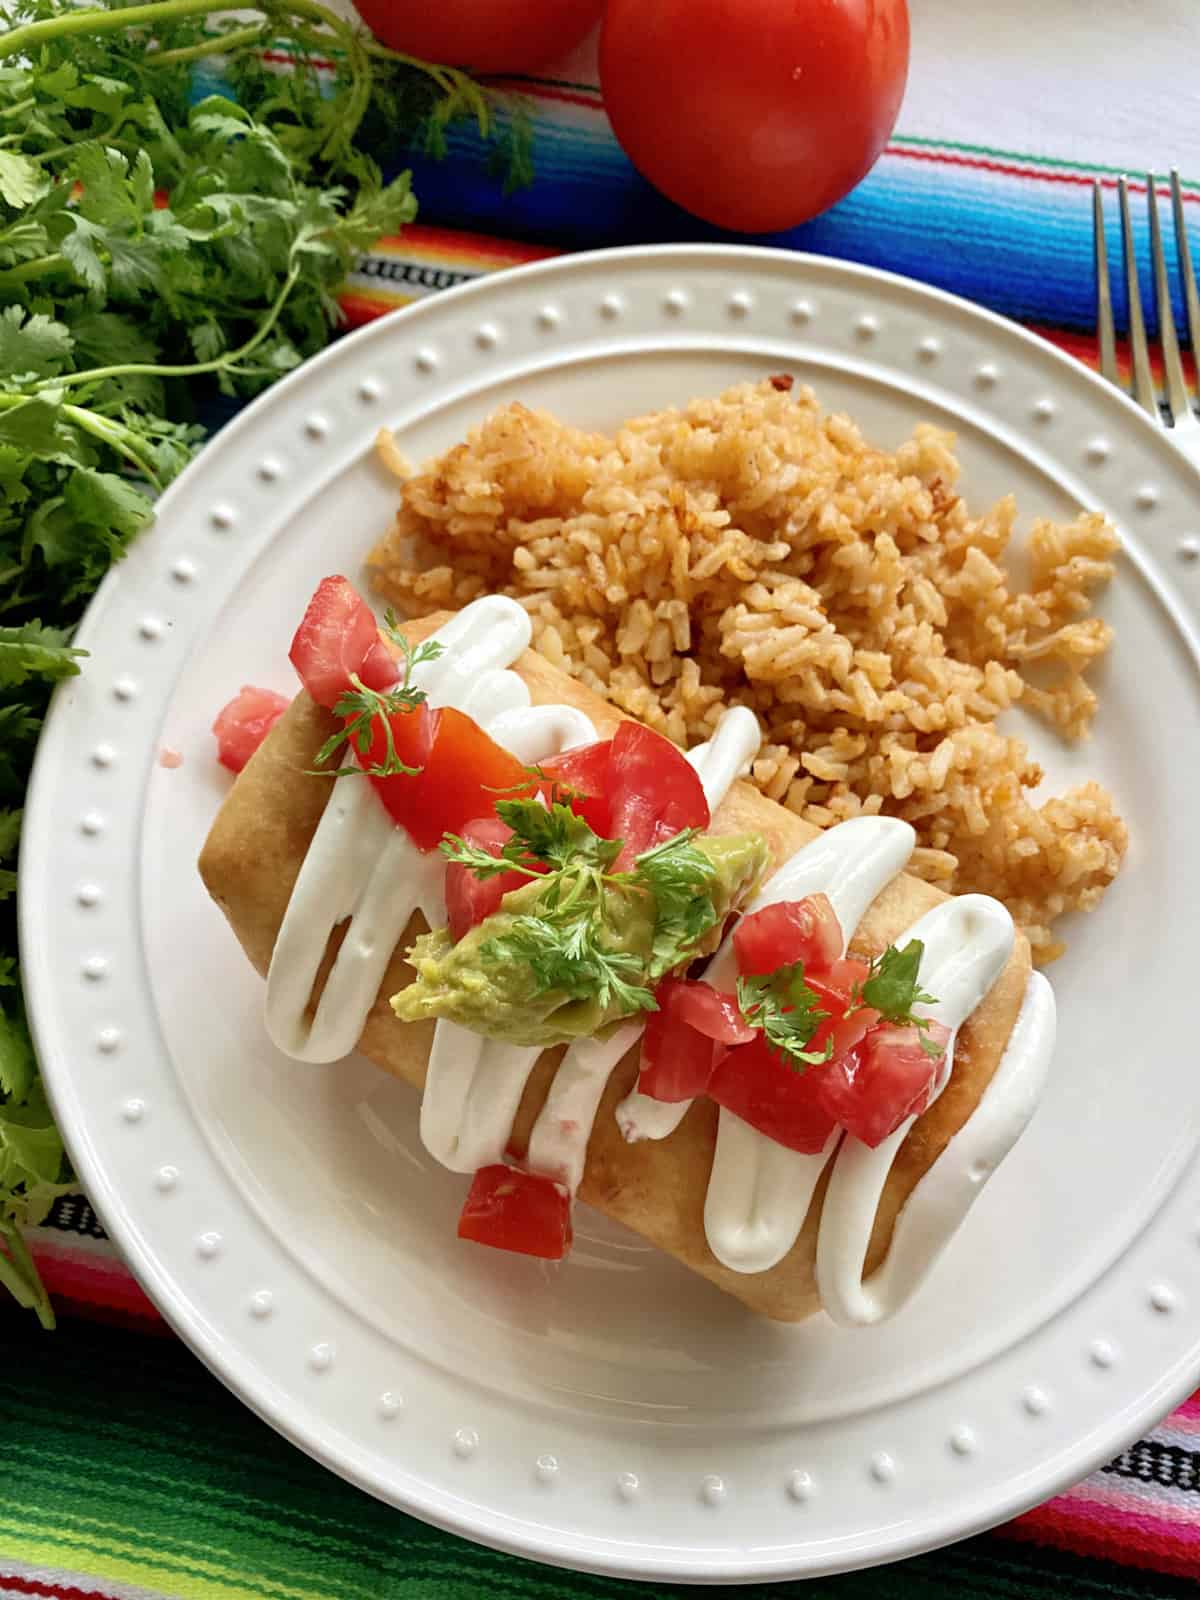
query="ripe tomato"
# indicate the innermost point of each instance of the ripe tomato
(751, 1081)
(679, 1044)
(790, 930)
(885, 1079)
(486, 35)
(470, 899)
(585, 772)
(754, 114)
(513, 1210)
(653, 791)
(244, 723)
(461, 770)
(336, 637)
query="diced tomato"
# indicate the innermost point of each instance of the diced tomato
(751, 1081)
(846, 975)
(514, 1210)
(379, 669)
(244, 723)
(653, 791)
(873, 1088)
(462, 772)
(679, 1044)
(335, 637)
(845, 1031)
(470, 899)
(706, 1009)
(790, 930)
(585, 772)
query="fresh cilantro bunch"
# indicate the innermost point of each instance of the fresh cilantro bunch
(567, 945)
(155, 255)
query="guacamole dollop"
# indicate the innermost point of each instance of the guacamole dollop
(477, 983)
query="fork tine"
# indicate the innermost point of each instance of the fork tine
(1143, 382)
(1177, 395)
(1183, 252)
(1104, 310)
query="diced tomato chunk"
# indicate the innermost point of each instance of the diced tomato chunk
(706, 1009)
(680, 1041)
(751, 1081)
(379, 669)
(585, 773)
(846, 1031)
(846, 975)
(244, 723)
(887, 1078)
(470, 899)
(653, 791)
(521, 1211)
(790, 930)
(335, 636)
(462, 774)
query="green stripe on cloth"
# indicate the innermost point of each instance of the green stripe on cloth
(122, 1460)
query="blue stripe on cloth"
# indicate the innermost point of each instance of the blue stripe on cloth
(1021, 245)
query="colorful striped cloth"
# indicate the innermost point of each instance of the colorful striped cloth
(125, 1469)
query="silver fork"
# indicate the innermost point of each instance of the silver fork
(1174, 409)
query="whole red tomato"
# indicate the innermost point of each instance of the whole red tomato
(486, 35)
(754, 114)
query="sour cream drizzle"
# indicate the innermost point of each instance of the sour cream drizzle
(759, 1192)
(360, 866)
(362, 870)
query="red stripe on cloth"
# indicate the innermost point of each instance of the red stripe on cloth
(547, 91)
(1013, 169)
(98, 1287)
(10, 1583)
(1100, 1530)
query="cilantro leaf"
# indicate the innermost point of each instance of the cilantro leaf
(681, 879)
(32, 345)
(30, 650)
(788, 1012)
(553, 834)
(21, 180)
(10, 832)
(568, 955)
(892, 988)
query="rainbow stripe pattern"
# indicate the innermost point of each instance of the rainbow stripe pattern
(125, 1469)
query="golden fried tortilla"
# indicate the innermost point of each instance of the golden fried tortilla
(250, 862)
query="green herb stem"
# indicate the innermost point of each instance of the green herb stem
(27, 38)
(195, 369)
(221, 44)
(31, 271)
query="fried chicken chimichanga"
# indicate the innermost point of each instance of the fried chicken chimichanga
(616, 972)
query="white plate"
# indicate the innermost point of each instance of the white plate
(617, 1414)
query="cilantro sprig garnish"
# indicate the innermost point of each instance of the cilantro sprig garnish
(788, 1012)
(892, 988)
(566, 944)
(362, 707)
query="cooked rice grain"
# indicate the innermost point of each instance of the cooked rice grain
(750, 550)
